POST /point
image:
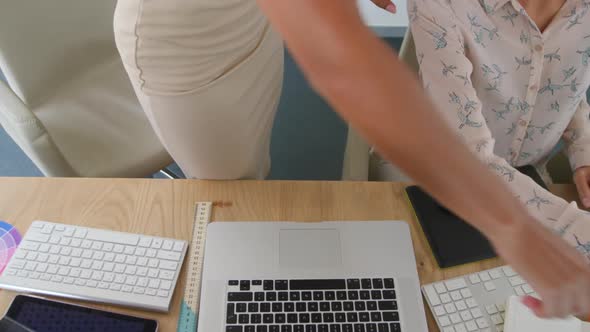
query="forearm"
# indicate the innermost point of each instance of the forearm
(363, 80)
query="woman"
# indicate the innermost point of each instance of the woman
(208, 74)
(511, 78)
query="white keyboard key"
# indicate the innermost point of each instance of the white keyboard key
(142, 261)
(168, 275)
(109, 257)
(108, 277)
(41, 267)
(456, 295)
(465, 315)
(60, 228)
(131, 270)
(440, 287)
(64, 271)
(519, 291)
(484, 276)
(86, 264)
(153, 273)
(34, 275)
(29, 245)
(56, 278)
(166, 285)
(140, 251)
(460, 328)
(450, 308)
(489, 286)
(77, 252)
(516, 281)
(21, 253)
(120, 258)
(96, 245)
(65, 241)
(97, 275)
(444, 321)
(75, 272)
(527, 289)
(80, 233)
(120, 278)
(471, 303)
(449, 329)
(476, 313)
(87, 253)
(97, 265)
(129, 250)
(482, 323)
(54, 249)
(142, 282)
(127, 288)
(44, 247)
(466, 293)
(170, 255)
(108, 267)
(501, 307)
(453, 284)
(103, 285)
(154, 263)
(118, 248)
(455, 318)
(38, 237)
(154, 283)
(145, 242)
(32, 255)
(131, 280)
(474, 278)
(471, 326)
(37, 225)
(151, 253)
(162, 293)
(86, 274)
(131, 260)
(115, 287)
(491, 309)
(138, 290)
(496, 273)
(17, 264)
(508, 271)
(76, 242)
(30, 266)
(54, 239)
(445, 298)
(167, 245)
(98, 255)
(150, 292)
(156, 243)
(142, 271)
(496, 319)
(168, 265)
(178, 246)
(53, 259)
(69, 231)
(107, 246)
(113, 237)
(461, 305)
(47, 229)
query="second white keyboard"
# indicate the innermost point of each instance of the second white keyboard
(475, 302)
(96, 265)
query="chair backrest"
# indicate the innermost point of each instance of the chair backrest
(44, 42)
(407, 52)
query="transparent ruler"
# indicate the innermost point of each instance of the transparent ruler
(189, 308)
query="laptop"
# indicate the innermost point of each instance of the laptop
(310, 277)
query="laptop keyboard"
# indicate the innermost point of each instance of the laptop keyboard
(312, 305)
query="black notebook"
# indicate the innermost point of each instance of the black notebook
(452, 240)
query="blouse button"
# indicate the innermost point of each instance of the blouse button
(538, 48)
(521, 123)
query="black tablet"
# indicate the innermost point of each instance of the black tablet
(452, 240)
(41, 315)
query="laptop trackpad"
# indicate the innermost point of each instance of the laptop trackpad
(309, 248)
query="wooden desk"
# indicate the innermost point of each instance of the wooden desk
(166, 207)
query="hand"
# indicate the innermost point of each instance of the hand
(386, 4)
(555, 270)
(582, 180)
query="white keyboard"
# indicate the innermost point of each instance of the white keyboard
(96, 265)
(474, 302)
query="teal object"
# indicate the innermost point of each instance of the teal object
(187, 321)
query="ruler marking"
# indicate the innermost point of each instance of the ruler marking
(190, 307)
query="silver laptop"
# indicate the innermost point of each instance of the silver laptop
(310, 277)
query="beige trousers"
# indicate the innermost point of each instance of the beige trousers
(208, 74)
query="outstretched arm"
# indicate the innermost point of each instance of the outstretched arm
(363, 80)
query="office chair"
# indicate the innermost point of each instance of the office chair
(68, 103)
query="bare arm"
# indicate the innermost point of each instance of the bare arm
(363, 80)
